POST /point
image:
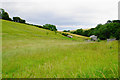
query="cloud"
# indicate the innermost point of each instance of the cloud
(73, 27)
(63, 12)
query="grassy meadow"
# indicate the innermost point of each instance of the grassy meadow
(31, 52)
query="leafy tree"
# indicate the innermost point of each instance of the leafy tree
(79, 31)
(22, 21)
(117, 34)
(64, 34)
(109, 21)
(109, 30)
(86, 32)
(18, 19)
(4, 15)
(66, 31)
(116, 21)
(50, 27)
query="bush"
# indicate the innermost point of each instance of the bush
(4, 15)
(50, 27)
(65, 34)
(66, 31)
(18, 19)
(98, 40)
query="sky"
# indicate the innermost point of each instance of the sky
(65, 14)
(119, 10)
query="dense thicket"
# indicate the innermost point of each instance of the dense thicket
(111, 29)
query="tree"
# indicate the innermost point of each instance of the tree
(64, 34)
(79, 31)
(117, 34)
(109, 21)
(18, 19)
(22, 21)
(50, 27)
(111, 29)
(116, 21)
(66, 31)
(4, 15)
(1, 11)
(86, 32)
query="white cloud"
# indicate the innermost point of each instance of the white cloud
(74, 27)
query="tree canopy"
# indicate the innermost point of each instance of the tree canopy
(111, 29)
(18, 19)
(50, 27)
(4, 15)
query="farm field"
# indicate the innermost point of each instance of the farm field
(31, 52)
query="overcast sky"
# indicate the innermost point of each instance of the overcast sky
(65, 14)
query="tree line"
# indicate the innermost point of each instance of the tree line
(4, 15)
(111, 29)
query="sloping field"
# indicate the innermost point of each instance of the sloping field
(75, 35)
(31, 52)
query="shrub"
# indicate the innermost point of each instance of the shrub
(65, 34)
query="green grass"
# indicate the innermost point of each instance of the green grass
(30, 52)
(0, 49)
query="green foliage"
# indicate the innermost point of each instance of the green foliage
(98, 40)
(66, 31)
(4, 15)
(116, 21)
(109, 21)
(18, 19)
(86, 32)
(78, 31)
(65, 34)
(105, 31)
(22, 21)
(50, 27)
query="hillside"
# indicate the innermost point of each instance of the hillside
(75, 35)
(13, 29)
(31, 52)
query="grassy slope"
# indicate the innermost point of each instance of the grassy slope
(32, 52)
(75, 35)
